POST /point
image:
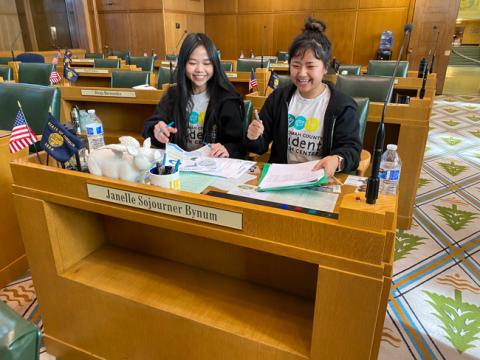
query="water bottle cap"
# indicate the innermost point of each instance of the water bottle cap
(91, 111)
(392, 147)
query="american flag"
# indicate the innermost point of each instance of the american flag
(55, 77)
(253, 81)
(21, 136)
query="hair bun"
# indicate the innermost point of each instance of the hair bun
(314, 25)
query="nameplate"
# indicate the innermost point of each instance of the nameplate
(279, 66)
(108, 93)
(91, 71)
(166, 206)
(83, 61)
(395, 82)
(231, 75)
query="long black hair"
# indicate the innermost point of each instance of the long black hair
(312, 37)
(218, 83)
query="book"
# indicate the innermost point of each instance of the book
(290, 176)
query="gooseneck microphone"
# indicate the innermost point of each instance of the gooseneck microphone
(435, 29)
(373, 182)
(12, 47)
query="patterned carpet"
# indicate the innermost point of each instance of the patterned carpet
(434, 312)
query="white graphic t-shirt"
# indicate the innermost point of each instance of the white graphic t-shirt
(196, 119)
(305, 127)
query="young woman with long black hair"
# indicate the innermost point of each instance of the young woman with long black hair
(204, 106)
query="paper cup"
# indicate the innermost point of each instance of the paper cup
(168, 181)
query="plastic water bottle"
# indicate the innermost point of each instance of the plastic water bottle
(390, 168)
(94, 131)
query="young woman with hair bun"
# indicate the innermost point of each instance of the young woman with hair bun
(308, 119)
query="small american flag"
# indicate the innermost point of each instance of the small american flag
(55, 77)
(21, 136)
(253, 81)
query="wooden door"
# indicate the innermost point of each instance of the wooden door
(430, 13)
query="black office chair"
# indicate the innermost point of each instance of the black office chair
(373, 87)
(30, 58)
(282, 55)
(144, 62)
(33, 73)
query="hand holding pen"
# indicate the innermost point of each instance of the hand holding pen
(162, 131)
(217, 150)
(255, 129)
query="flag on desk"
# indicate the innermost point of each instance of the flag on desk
(274, 80)
(58, 142)
(22, 135)
(253, 81)
(69, 74)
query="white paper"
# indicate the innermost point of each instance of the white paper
(280, 175)
(229, 184)
(359, 182)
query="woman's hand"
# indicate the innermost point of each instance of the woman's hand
(329, 164)
(218, 150)
(255, 130)
(162, 132)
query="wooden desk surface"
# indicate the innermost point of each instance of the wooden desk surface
(284, 286)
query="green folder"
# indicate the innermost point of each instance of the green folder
(266, 167)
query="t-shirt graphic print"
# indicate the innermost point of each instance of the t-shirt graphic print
(196, 119)
(305, 127)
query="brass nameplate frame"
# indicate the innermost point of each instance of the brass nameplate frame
(108, 93)
(91, 71)
(157, 204)
(231, 75)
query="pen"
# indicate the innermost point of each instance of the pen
(168, 125)
(256, 115)
(337, 181)
(175, 169)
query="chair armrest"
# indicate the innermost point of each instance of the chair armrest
(364, 163)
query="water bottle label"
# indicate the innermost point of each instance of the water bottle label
(389, 174)
(94, 129)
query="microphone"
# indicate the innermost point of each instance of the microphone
(263, 41)
(435, 28)
(181, 38)
(13, 44)
(373, 182)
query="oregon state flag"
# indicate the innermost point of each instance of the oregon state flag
(69, 74)
(58, 142)
(274, 80)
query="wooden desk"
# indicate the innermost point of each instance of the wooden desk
(13, 262)
(280, 67)
(120, 115)
(48, 55)
(161, 286)
(407, 126)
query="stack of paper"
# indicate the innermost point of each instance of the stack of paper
(290, 176)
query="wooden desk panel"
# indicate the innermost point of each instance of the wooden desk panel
(407, 126)
(226, 293)
(13, 262)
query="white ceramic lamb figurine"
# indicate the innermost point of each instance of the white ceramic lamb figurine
(125, 161)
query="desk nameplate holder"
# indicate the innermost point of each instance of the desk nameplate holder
(91, 71)
(108, 93)
(181, 209)
(231, 75)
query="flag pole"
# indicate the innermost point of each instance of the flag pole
(32, 135)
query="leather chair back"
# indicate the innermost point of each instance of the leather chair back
(171, 57)
(163, 76)
(31, 73)
(373, 87)
(362, 114)
(385, 68)
(129, 79)
(350, 69)
(247, 65)
(106, 63)
(284, 80)
(30, 58)
(5, 60)
(6, 72)
(93, 56)
(122, 54)
(35, 100)
(144, 62)
(282, 55)
(227, 65)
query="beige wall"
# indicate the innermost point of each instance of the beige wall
(471, 32)
(9, 26)
(353, 26)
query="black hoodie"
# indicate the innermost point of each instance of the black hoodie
(340, 127)
(225, 121)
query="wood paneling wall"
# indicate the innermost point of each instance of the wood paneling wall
(140, 25)
(9, 26)
(353, 26)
